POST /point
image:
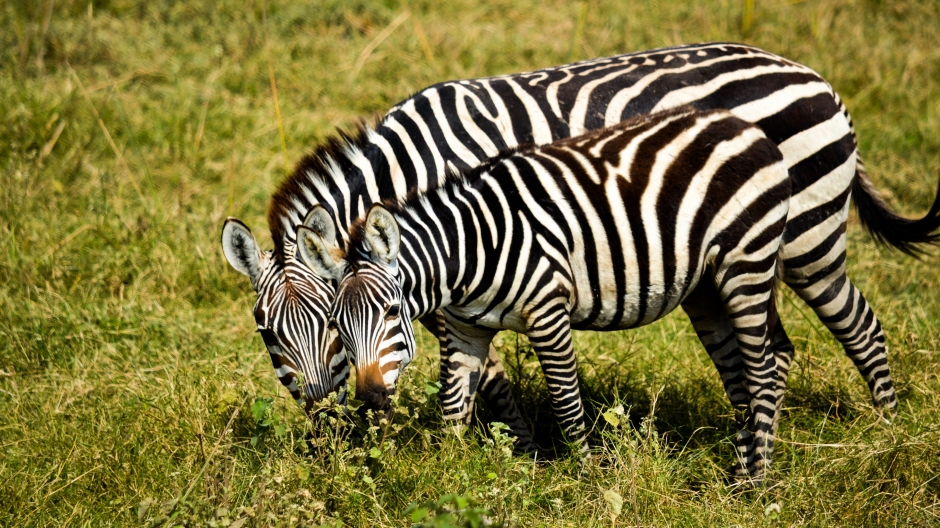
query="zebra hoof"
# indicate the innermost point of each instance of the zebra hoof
(887, 407)
(740, 479)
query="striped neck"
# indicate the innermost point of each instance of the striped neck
(436, 233)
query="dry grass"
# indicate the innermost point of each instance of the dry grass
(130, 377)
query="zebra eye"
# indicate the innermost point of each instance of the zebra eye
(268, 336)
(331, 324)
(392, 311)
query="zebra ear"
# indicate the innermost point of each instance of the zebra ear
(321, 222)
(318, 254)
(383, 234)
(241, 250)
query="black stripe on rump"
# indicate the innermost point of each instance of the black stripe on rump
(743, 91)
(807, 220)
(821, 163)
(602, 94)
(800, 115)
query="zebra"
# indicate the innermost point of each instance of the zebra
(463, 123)
(606, 231)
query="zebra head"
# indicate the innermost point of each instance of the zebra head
(292, 312)
(370, 310)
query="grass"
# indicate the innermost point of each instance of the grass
(132, 386)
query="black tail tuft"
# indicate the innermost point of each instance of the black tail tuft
(887, 227)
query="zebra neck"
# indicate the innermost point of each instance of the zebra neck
(431, 265)
(449, 238)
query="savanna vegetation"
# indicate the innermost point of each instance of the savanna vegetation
(134, 390)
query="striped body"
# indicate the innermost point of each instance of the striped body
(465, 122)
(607, 231)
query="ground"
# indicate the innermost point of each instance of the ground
(133, 387)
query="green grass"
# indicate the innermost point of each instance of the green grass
(130, 376)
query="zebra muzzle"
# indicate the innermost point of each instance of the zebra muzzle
(374, 397)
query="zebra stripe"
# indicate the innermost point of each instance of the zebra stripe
(607, 231)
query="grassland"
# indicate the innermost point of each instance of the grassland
(132, 386)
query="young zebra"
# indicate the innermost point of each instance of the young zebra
(606, 231)
(466, 122)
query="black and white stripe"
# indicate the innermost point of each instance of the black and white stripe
(466, 122)
(606, 231)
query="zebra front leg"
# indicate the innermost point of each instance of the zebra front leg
(496, 391)
(493, 385)
(464, 354)
(549, 333)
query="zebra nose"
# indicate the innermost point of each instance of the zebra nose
(371, 390)
(375, 398)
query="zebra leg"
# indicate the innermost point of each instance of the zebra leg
(783, 354)
(493, 385)
(707, 314)
(495, 390)
(714, 329)
(748, 300)
(818, 277)
(464, 353)
(549, 333)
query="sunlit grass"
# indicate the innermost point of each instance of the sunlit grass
(130, 376)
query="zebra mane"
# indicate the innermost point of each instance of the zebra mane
(326, 166)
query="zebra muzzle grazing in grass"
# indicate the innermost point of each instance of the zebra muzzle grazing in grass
(607, 231)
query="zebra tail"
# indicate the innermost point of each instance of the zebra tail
(904, 234)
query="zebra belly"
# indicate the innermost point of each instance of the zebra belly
(610, 307)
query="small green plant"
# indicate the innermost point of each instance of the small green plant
(449, 511)
(266, 421)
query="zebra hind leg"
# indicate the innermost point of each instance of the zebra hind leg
(825, 287)
(707, 314)
(716, 333)
(751, 311)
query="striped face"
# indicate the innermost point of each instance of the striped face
(292, 317)
(307, 354)
(375, 325)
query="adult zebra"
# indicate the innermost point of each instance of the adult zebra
(466, 122)
(606, 231)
